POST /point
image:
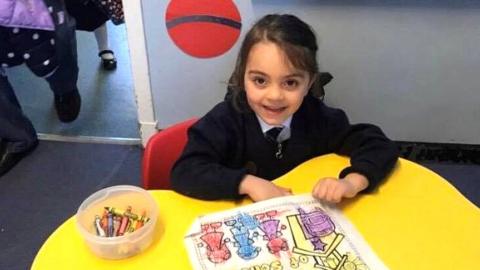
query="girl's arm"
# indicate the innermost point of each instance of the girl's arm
(204, 169)
(371, 153)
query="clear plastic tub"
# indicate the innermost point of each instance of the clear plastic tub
(120, 197)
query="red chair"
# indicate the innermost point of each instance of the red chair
(161, 152)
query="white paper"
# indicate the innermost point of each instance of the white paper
(294, 232)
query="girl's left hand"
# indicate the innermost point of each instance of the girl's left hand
(333, 190)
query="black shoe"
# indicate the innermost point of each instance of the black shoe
(108, 64)
(8, 160)
(68, 106)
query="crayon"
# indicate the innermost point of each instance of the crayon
(116, 225)
(110, 232)
(98, 226)
(123, 225)
(129, 213)
(131, 226)
(114, 211)
(104, 221)
(140, 222)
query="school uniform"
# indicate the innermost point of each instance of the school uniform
(226, 144)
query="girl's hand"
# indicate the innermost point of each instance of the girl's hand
(259, 189)
(332, 190)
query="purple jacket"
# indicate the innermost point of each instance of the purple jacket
(27, 35)
(32, 14)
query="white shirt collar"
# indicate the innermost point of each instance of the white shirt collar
(284, 134)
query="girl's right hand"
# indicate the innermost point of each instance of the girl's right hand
(259, 189)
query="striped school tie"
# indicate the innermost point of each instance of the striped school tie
(272, 134)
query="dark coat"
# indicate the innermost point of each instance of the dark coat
(87, 14)
(225, 145)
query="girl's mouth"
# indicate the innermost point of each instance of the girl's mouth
(274, 109)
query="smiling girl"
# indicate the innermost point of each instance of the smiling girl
(270, 123)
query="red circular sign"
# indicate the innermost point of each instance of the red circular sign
(203, 28)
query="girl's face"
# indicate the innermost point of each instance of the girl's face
(274, 88)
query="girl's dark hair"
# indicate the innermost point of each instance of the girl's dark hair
(292, 35)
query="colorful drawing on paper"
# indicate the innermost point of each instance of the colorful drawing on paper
(295, 232)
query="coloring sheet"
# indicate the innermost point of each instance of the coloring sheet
(294, 232)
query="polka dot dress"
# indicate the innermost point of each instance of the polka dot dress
(34, 47)
(113, 9)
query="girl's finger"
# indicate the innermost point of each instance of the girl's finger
(320, 190)
(338, 194)
(330, 191)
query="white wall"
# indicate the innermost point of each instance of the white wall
(411, 66)
(184, 86)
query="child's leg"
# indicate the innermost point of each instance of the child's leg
(108, 58)
(101, 36)
(63, 81)
(17, 133)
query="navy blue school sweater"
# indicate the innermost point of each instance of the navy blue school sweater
(225, 145)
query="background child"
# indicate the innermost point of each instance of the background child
(270, 123)
(90, 16)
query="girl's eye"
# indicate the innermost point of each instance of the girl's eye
(290, 84)
(260, 81)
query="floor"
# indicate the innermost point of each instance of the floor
(108, 100)
(46, 188)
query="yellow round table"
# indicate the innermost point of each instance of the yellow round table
(416, 220)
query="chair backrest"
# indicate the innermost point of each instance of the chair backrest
(161, 152)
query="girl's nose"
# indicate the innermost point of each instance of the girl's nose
(274, 93)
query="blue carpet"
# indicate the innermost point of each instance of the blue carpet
(46, 188)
